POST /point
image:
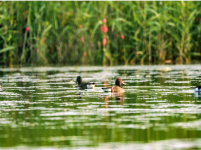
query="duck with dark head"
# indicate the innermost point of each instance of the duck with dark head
(84, 85)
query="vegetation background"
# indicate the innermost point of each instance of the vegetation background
(99, 33)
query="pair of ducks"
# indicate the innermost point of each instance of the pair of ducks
(116, 88)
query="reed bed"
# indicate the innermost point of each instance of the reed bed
(99, 33)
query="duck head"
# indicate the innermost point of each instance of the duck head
(79, 80)
(119, 82)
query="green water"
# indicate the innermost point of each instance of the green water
(40, 108)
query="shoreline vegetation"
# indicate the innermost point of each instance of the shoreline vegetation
(99, 32)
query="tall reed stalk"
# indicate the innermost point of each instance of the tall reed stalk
(139, 32)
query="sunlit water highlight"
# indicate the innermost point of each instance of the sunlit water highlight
(41, 108)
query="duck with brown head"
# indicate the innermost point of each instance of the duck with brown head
(116, 88)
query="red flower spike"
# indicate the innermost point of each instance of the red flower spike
(104, 20)
(85, 53)
(104, 41)
(104, 29)
(80, 26)
(27, 29)
(122, 37)
(43, 40)
(82, 39)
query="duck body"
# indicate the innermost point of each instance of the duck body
(83, 85)
(86, 86)
(116, 88)
(197, 89)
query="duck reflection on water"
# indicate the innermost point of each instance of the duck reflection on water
(115, 96)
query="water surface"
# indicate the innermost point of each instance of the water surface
(41, 108)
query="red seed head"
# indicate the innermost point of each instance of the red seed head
(104, 20)
(82, 39)
(43, 40)
(80, 26)
(122, 37)
(85, 53)
(104, 41)
(104, 29)
(27, 29)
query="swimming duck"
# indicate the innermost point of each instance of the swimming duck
(116, 88)
(83, 85)
(197, 88)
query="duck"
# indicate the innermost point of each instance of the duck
(197, 88)
(84, 85)
(116, 88)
